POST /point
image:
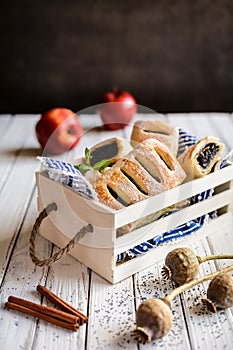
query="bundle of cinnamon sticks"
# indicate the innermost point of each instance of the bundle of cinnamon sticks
(68, 317)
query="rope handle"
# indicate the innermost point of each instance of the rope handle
(63, 251)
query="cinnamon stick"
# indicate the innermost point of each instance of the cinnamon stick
(61, 303)
(64, 316)
(23, 306)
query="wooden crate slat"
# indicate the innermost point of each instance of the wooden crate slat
(172, 221)
(175, 195)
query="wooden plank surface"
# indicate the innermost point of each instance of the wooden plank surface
(110, 308)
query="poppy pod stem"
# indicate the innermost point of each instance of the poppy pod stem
(194, 282)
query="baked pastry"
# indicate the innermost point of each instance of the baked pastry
(113, 148)
(158, 129)
(117, 189)
(149, 169)
(199, 159)
(159, 162)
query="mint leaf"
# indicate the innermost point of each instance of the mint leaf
(87, 155)
(101, 165)
(82, 168)
(87, 166)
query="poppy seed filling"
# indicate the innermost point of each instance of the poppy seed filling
(207, 154)
(107, 151)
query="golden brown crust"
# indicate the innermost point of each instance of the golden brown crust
(149, 169)
(160, 163)
(199, 159)
(116, 190)
(158, 129)
(106, 197)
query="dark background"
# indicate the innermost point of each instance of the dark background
(171, 55)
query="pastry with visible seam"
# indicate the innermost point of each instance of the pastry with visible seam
(149, 169)
(199, 159)
(158, 129)
(160, 162)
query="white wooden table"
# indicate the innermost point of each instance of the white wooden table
(110, 308)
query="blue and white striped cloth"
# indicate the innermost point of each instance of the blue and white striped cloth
(68, 175)
(185, 140)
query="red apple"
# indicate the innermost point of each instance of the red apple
(117, 109)
(58, 130)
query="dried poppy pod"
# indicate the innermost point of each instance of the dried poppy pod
(220, 292)
(154, 320)
(182, 264)
(154, 316)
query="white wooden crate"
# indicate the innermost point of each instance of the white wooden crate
(99, 250)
